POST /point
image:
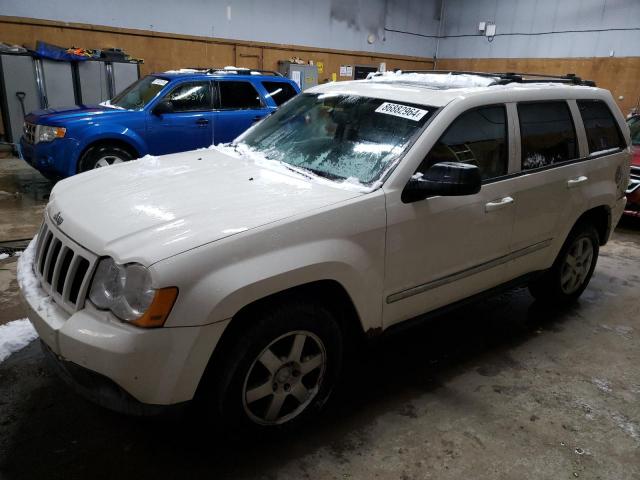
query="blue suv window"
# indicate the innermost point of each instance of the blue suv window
(280, 92)
(191, 97)
(238, 95)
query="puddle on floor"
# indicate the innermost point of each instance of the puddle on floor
(23, 196)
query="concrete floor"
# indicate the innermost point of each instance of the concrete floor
(500, 390)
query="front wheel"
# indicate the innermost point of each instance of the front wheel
(565, 281)
(280, 370)
(104, 156)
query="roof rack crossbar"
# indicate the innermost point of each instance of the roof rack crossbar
(511, 77)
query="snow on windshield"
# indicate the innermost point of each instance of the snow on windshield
(342, 138)
(437, 80)
(245, 152)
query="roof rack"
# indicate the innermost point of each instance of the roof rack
(515, 77)
(235, 70)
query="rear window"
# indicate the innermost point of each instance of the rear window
(238, 95)
(280, 92)
(547, 134)
(600, 126)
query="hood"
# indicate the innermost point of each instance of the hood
(149, 209)
(57, 116)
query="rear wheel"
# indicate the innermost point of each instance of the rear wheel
(565, 281)
(279, 371)
(104, 156)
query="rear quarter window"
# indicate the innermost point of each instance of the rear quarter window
(280, 92)
(600, 126)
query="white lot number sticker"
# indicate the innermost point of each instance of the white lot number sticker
(403, 111)
(160, 81)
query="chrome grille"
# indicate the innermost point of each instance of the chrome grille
(63, 267)
(30, 132)
(634, 179)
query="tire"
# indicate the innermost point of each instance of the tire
(262, 384)
(102, 156)
(569, 275)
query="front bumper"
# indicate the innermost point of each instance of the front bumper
(156, 367)
(100, 389)
(57, 158)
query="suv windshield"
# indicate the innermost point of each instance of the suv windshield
(339, 136)
(139, 94)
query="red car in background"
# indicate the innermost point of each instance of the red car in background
(633, 191)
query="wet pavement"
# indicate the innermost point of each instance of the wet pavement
(505, 389)
(23, 195)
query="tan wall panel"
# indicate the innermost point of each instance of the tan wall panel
(620, 75)
(162, 51)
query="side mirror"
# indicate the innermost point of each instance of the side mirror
(444, 179)
(165, 106)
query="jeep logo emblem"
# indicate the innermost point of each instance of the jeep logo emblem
(58, 219)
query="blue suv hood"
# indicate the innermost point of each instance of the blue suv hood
(60, 115)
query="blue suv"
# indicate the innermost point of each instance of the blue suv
(160, 113)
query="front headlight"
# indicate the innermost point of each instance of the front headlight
(47, 134)
(126, 290)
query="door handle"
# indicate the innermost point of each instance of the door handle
(258, 117)
(498, 204)
(574, 182)
(202, 121)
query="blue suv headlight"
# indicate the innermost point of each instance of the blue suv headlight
(48, 134)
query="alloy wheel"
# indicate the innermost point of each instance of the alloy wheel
(108, 160)
(577, 265)
(284, 378)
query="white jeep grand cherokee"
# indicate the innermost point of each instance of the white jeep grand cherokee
(240, 275)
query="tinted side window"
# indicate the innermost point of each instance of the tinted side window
(279, 91)
(547, 134)
(238, 95)
(600, 126)
(478, 137)
(191, 97)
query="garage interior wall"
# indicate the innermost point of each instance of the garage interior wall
(596, 39)
(254, 33)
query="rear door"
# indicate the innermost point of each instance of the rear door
(239, 105)
(549, 151)
(189, 126)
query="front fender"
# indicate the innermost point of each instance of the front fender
(345, 245)
(113, 132)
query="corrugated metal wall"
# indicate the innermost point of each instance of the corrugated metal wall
(541, 28)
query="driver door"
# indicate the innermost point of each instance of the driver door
(446, 248)
(189, 126)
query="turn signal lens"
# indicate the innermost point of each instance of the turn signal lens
(159, 310)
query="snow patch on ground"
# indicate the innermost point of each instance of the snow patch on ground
(603, 385)
(3, 256)
(15, 336)
(626, 425)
